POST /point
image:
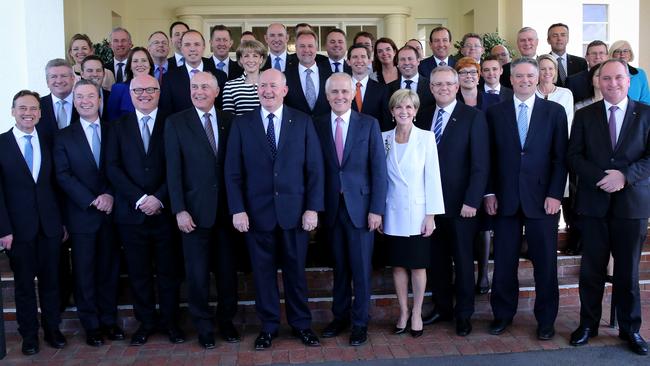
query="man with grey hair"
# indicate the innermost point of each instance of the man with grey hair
(527, 42)
(528, 175)
(121, 44)
(57, 109)
(355, 162)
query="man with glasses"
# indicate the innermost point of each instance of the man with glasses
(472, 46)
(159, 49)
(579, 83)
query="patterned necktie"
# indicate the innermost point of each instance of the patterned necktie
(561, 69)
(442, 63)
(437, 127)
(408, 84)
(61, 115)
(220, 65)
(338, 139)
(29, 153)
(522, 123)
(276, 64)
(612, 125)
(161, 71)
(120, 72)
(492, 91)
(145, 132)
(96, 143)
(181, 62)
(193, 72)
(358, 99)
(270, 135)
(336, 66)
(310, 89)
(209, 131)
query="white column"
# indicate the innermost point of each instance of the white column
(395, 28)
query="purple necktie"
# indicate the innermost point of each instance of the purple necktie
(338, 139)
(612, 125)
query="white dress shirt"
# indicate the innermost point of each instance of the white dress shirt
(344, 126)
(529, 103)
(414, 84)
(445, 117)
(620, 114)
(190, 68)
(364, 84)
(277, 122)
(314, 77)
(36, 148)
(438, 61)
(283, 60)
(180, 61)
(68, 106)
(226, 62)
(487, 88)
(88, 131)
(341, 64)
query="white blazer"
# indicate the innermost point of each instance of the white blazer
(414, 188)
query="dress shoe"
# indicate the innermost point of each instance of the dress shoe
(435, 317)
(358, 336)
(581, 336)
(498, 326)
(54, 338)
(206, 340)
(114, 333)
(263, 340)
(416, 333)
(141, 336)
(94, 338)
(30, 346)
(463, 327)
(176, 335)
(306, 336)
(635, 342)
(545, 333)
(229, 332)
(335, 328)
(397, 330)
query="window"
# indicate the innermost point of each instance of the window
(595, 24)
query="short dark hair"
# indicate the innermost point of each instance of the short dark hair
(472, 35)
(336, 30)
(439, 29)
(220, 27)
(247, 33)
(364, 34)
(178, 22)
(129, 59)
(557, 25)
(193, 31)
(490, 58)
(91, 58)
(24, 93)
(82, 82)
(597, 43)
(303, 25)
(157, 32)
(407, 47)
(358, 46)
(523, 60)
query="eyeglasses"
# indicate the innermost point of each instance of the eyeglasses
(158, 43)
(441, 84)
(622, 51)
(139, 91)
(472, 46)
(466, 72)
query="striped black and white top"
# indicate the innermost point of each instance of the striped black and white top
(239, 97)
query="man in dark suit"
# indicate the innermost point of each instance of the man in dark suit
(335, 45)
(195, 146)
(306, 79)
(175, 93)
(93, 69)
(30, 223)
(527, 180)
(491, 71)
(407, 63)
(220, 44)
(135, 165)
(176, 31)
(580, 83)
(502, 54)
(370, 97)
(274, 176)
(79, 156)
(464, 155)
(121, 44)
(57, 108)
(527, 41)
(567, 65)
(609, 152)
(440, 44)
(158, 47)
(355, 199)
(276, 39)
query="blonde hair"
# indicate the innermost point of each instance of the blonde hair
(621, 43)
(403, 95)
(548, 57)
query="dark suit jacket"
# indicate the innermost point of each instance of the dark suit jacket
(274, 191)
(194, 174)
(47, 124)
(132, 172)
(504, 80)
(234, 70)
(79, 177)
(27, 206)
(428, 64)
(292, 59)
(375, 104)
(523, 178)
(483, 100)
(580, 86)
(505, 93)
(296, 96)
(590, 154)
(361, 176)
(423, 91)
(464, 156)
(175, 90)
(575, 64)
(171, 62)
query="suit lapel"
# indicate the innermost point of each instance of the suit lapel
(628, 120)
(325, 129)
(196, 126)
(133, 129)
(351, 139)
(257, 129)
(15, 151)
(157, 133)
(286, 129)
(537, 120)
(389, 142)
(451, 126)
(79, 135)
(511, 121)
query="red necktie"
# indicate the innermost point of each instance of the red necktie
(357, 97)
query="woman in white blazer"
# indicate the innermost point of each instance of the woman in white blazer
(414, 197)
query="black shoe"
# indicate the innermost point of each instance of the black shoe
(335, 328)
(463, 327)
(141, 336)
(207, 340)
(635, 342)
(499, 326)
(114, 333)
(416, 333)
(94, 338)
(176, 335)
(54, 338)
(435, 317)
(358, 336)
(30, 346)
(397, 330)
(581, 336)
(545, 333)
(263, 340)
(306, 336)
(229, 332)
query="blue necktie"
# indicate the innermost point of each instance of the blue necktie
(522, 123)
(310, 89)
(220, 65)
(96, 143)
(408, 84)
(270, 135)
(29, 153)
(437, 127)
(336, 66)
(276, 64)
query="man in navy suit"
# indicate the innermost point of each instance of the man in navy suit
(195, 147)
(464, 155)
(528, 139)
(609, 152)
(491, 71)
(440, 44)
(407, 63)
(93, 69)
(527, 42)
(220, 43)
(276, 39)
(355, 199)
(306, 79)
(580, 83)
(121, 45)
(336, 47)
(176, 31)
(135, 161)
(275, 182)
(175, 93)
(370, 97)
(558, 38)
(57, 108)
(79, 157)
(30, 223)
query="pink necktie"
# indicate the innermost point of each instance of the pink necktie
(338, 139)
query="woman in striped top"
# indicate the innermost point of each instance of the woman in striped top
(240, 94)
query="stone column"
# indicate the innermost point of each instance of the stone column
(395, 28)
